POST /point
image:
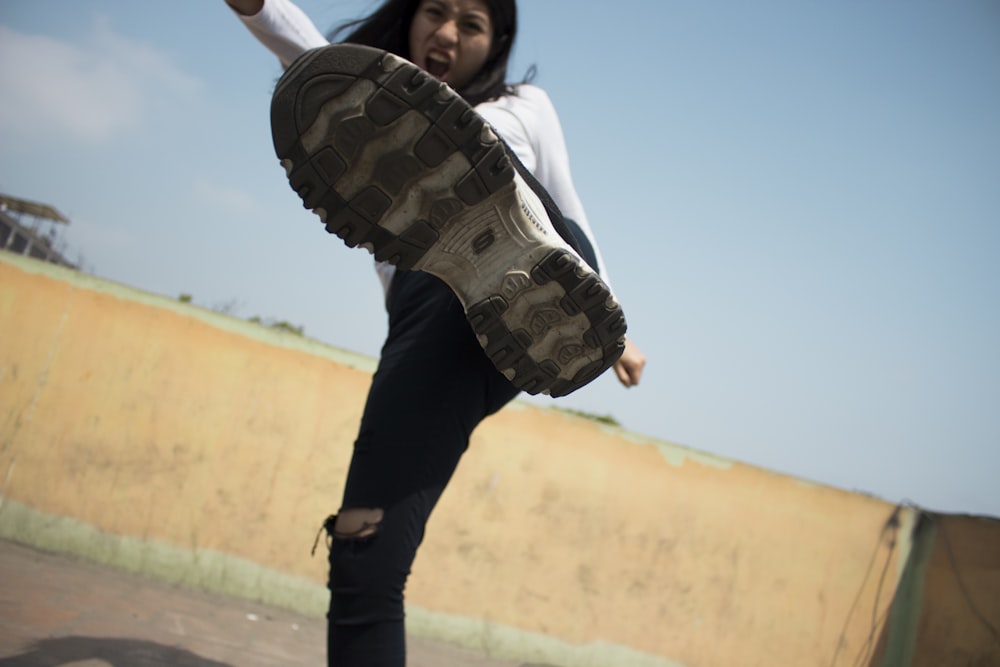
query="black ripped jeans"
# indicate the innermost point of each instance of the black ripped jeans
(433, 386)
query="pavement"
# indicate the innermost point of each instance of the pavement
(56, 610)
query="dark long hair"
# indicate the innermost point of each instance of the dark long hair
(388, 28)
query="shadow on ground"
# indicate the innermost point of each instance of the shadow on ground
(116, 652)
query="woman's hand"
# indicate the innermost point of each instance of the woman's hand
(246, 7)
(629, 367)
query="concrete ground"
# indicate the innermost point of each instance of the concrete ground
(56, 610)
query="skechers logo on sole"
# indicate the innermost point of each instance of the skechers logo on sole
(529, 214)
(483, 241)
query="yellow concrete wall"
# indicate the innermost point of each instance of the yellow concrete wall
(150, 419)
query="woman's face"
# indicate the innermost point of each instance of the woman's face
(451, 39)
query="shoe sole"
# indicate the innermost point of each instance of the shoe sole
(395, 161)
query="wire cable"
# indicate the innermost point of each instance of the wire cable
(892, 523)
(877, 618)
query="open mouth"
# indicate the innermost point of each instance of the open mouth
(437, 66)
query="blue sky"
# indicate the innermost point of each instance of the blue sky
(799, 204)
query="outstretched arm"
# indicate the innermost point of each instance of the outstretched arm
(279, 25)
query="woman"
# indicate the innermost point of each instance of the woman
(394, 161)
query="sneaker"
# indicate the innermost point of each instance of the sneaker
(395, 161)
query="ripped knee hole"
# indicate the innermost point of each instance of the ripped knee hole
(357, 522)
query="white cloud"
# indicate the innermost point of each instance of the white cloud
(86, 91)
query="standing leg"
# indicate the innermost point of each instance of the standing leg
(433, 386)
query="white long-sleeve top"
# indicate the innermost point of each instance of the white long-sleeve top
(526, 120)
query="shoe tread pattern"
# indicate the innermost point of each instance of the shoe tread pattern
(533, 360)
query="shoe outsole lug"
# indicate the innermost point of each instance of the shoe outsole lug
(396, 162)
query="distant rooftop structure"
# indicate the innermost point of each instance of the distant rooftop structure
(32, 229)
